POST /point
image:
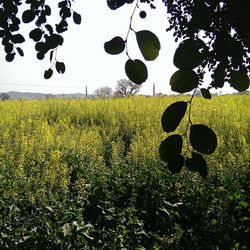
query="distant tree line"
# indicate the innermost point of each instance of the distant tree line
(4, 96)
(124, 88)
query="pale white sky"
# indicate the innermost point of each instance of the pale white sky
(86, 61)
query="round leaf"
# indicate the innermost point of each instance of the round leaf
(28, 16)
(48, 73)
(40, 55)
(36, 34)
(136, 71)
(239, 80)
(170, 147)
(10, 57)
(115, 46)
(190, 54)
(142, 14)
(203, 139)
(60, 67)
(173, 115)
(205, 93)
(197, 164)
(149, 44)
(183, 81)
(8, 48)
(175, 164)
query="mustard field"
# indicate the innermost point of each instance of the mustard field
(86, 174)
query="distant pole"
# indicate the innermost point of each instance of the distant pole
(153, 89)
(86, 91)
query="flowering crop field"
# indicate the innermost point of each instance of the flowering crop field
(86, 174)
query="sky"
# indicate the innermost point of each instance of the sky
(87, 64)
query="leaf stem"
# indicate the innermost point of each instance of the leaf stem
(130, 27)
(189, 120)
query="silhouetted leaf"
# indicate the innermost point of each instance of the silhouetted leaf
(48, 73)
(14, 27)
(228, 46)
(60, 67)
(190, 54)
(170, 147)
(115, 4)
(65, 12)
(205, 93)
(49, 28)
(2, 33)
(8, 48)
(239, 80)
(41, 19)
(40, 55)
(18, 38)
(51, 55)
(40, 46)
(203, 139)
(201, 19)
(47, 10)
(201, 164)
(142, 14)
(190, 164)
(173, 115)
(197, 164)
(28, 16)
(54, 41)
(136, 71)
(219, 76)
(62, 4)
(36, 34)
(10, 57)
(176, 163)
(20, 51)
(62, 26)
(77, 18)
(149, 44)
(184, 81)
(114, 46)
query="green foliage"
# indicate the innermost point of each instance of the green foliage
(215, 37)
(85, 174)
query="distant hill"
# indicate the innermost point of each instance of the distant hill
(28, 95)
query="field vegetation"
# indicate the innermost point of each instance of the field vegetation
(86, 174)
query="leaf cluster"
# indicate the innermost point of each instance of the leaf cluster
(223, 25)
(148, 44)
(46, 37)
(200, 139)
